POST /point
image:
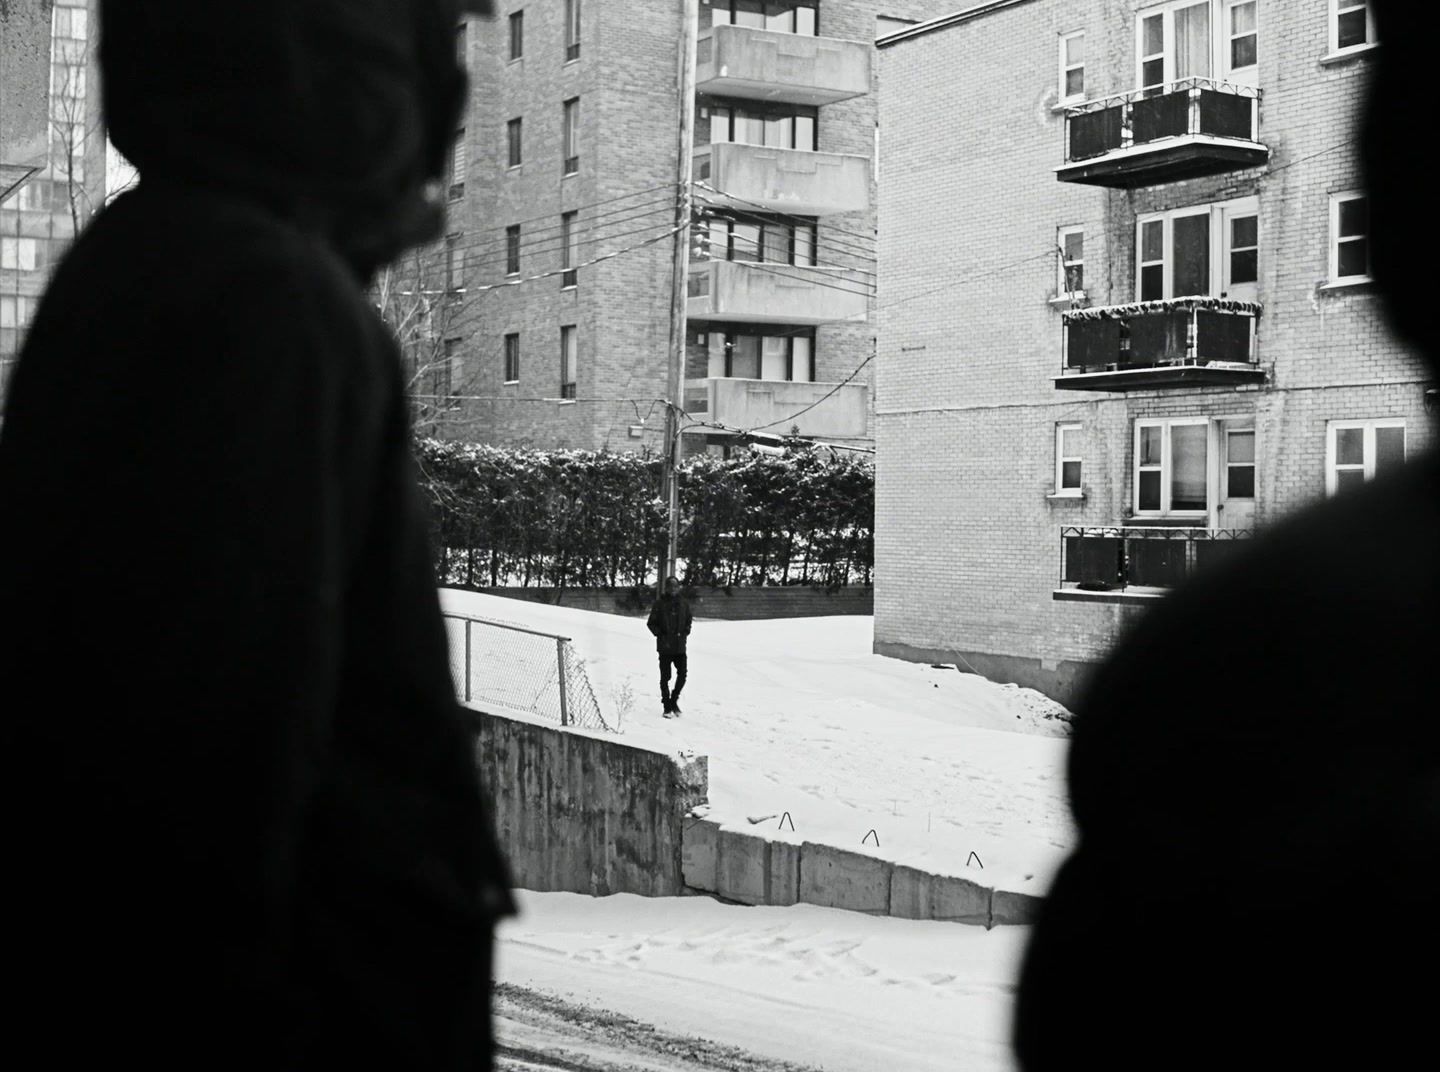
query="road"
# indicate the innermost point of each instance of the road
(536, 1032)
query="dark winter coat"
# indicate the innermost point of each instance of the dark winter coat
(670, 623)
(245, 827)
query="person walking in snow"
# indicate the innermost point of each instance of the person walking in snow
(670, 623)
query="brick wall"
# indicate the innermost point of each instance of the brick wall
(967, 542)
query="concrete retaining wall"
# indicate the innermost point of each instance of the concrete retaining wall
(586, 813)
(751, 869)
(736, 604)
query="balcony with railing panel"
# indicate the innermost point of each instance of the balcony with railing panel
(762, 178)
(1192, 127)
(760, 293)
(755, 64)
(1136, 563)
(1176, 342)
(780, 407)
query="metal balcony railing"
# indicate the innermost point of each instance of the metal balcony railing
(1195, 330)
(1189, 106)
(1114, 558)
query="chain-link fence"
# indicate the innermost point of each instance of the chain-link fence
(523, 669)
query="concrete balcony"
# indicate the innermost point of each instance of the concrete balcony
(775, 293)
(740, 61)
(760, 178)
(754, 403)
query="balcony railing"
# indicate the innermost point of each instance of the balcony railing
(748, 62)
(1189, 341)
(765, 178)
(1121, 558)
(1195, 126)
(762, 293)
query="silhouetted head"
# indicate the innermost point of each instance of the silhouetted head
(672, 585)
(1405, 233)
(339, 113)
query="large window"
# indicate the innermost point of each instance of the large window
(570, 128)
(1197, 39)
(514, 142)
(782, 16)
(1072, 66)
(1357, 451)
(1352, 25)
(760, 239)
(751, 355)
(569, 359)
(1202, 250)
(1349, 237)
(572, 30)
(569, 249)
(512, 358)
(1172, 466)
(780, 127)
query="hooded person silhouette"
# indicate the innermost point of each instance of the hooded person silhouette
(1255, 883)
(245, 827)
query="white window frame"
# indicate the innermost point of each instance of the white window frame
(1062, 283)
(1227, 37)
(1225, 431)
(23, 253)
(1336, 199)
(570, 136)
(1220, 212)
(1338, 7)
(569, 249)
(1367, 466)
(1166, 466)
(506, 369)
(1220, 27)
(1066, 67)
(569, 360)
(1063, 489)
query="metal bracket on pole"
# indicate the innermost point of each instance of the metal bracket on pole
(467, 660)
(560, 673)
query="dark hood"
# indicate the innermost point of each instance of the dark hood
(338, 113)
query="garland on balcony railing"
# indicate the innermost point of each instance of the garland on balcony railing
(1130, 96)
(1185, 304)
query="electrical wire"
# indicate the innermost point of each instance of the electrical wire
(665, 206)
(789, 215)
(717, 209)
(760, 246)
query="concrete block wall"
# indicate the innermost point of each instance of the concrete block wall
(585, 812)
(967, 541)
(755, 869)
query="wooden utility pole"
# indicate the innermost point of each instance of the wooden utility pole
(679, 281)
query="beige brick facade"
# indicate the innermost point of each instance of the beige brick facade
(968, 545)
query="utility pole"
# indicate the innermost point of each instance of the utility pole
(679, 281)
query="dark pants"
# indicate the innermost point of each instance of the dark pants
(666, 662)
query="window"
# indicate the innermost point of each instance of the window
(801, 17)
(571, 134)
(568, 361)
(1352, 25)
(1206, 250)
(72, 23)
(1349, 237)
(512, 249)
(1072, 66)
(1239, 463)
(20, 254)
(1197, 39)
(1070, 243)
(745, 354)
(754, 124)
(569, 249)
(458, 153)
(445, 372)
(512, 358)
(517, 34)
(1357, 451)
(513, 131)
(572, 30)
(1067, 459)
(1172, 466)
(454, 263)
(770, 241)
(15, 311)
(462, 45)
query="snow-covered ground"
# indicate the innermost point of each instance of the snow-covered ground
(798, 715)
(819, 987)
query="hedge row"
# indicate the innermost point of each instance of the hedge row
(567, 518)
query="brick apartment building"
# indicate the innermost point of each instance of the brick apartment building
(1125, 314)
(558, 271)
(52, 158)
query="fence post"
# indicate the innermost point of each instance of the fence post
(560, 667)
(467, 660)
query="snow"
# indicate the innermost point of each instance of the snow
(954, 773)
(836, 990)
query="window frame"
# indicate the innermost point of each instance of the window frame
(512, 249)
(570, 136)
(514, 142)
(726, 340)
(1063, 268)
(1339, 7)
(1061, 488)
(569, 250)
(757, 111)
(1166, 467)
(1065, 68)
(454, 262)
(459, 165)
(1229, 37)
(569, 360)
(1220, 20)
(1335, 278)
(1226, 430)
(1221, 216)
(1369, 425)
(727, 8)
(510, 351)
(572, 30)
(517, 35)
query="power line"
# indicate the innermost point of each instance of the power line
(788, 215)
(717, 210)
(760, 246)
(776, 270)
(664, 206)
(470, 264)
(670, 186)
